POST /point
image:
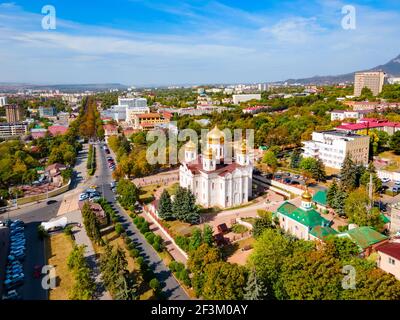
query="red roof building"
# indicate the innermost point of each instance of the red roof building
(389, 257)
(57, 130)
(371, 123)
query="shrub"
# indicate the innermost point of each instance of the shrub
(150, 237)
(134, 253)
(131, 246)
(119, 228)
(172, 266)
(144, 227)
(128, 241)
(68, 230)
(157, 246)
(140, 261)
(42, 233)
(136, 220)
(114, 219)
(182, 242)
(158, 239)
(154, 284)
(179, 267)
(238, 228)
(184, 277)
(148, 275)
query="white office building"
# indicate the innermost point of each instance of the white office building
(132, 102)
(3, 101)
(332, 146)
(349, 114)
(238, 98)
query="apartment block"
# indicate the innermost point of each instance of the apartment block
(9, 130)
(332, 146)
(3, 101)
(372, 80)
(238, 98)
(13, 113)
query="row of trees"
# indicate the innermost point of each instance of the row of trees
(92, 225)
(90, 123)
(183, 208)
(91, 160)
(115, 275)
(84, 287)
(287, 268)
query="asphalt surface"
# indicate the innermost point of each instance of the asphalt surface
(171, 287)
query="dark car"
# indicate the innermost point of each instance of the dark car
(287, 180)
(51, 201)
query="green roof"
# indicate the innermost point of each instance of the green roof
(385, 219)
(364, 237)
(309, 218)
(322, 232)
(320, 198)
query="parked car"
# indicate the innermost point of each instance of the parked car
(83, 196)
(11, 295)
(385, 180)
(287, 180)
(397, 182)
(396, 189)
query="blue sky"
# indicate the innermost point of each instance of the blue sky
(192, 42)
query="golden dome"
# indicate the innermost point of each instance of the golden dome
(208, 154)
(190, 146)
(243, 147)
(306, 196)
(215, 136)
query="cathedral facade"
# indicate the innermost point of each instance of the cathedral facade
(214, 181)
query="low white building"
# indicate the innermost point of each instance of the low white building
(238, 98)
(349, 114)
(3, 101)
(132, 102)
(332, 146)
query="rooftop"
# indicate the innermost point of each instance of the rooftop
(391, 248)
(364, 237)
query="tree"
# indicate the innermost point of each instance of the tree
(342, 248)
(348, 174)
(91, 224)
(128, 193)
(295, 159)
(331, 194)
(395, 142)
(312, 275)
(224, 281)
(165, 206)
(271, 161)
(359, 211)
(270, 250)
(195, 240)
(184, 206)
(154, 284)
(313, 168)
(255, 288)
(262, 223)
(208, 238)
(365, 178)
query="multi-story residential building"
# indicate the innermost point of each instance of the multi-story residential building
(46, 112)
(365, 124)
(238, 98)
(132, 111)
(9, 130)
(147, 121)
(116, 112)
(349, 114)
(3, 101)
(372, 80)
(333, 146)
(13, 113)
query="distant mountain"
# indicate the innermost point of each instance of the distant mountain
(392, 68)
(62, 87)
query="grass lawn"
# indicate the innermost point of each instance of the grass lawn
(147, 193)
(394, 160)
(178, 227)
(231, 249)
(58, 248)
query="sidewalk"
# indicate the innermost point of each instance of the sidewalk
(81, 238)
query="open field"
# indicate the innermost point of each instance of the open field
(58, 248)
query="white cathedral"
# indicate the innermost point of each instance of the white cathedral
(213, 182)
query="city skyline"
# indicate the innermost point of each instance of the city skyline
(188, 42)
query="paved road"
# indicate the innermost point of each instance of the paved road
(171, 288)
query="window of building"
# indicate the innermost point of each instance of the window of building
(392, 261)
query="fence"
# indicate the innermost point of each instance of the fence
(43, 196)
(166, 232)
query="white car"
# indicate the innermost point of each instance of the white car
(83, 196)
(385, 180)
(397, 183)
